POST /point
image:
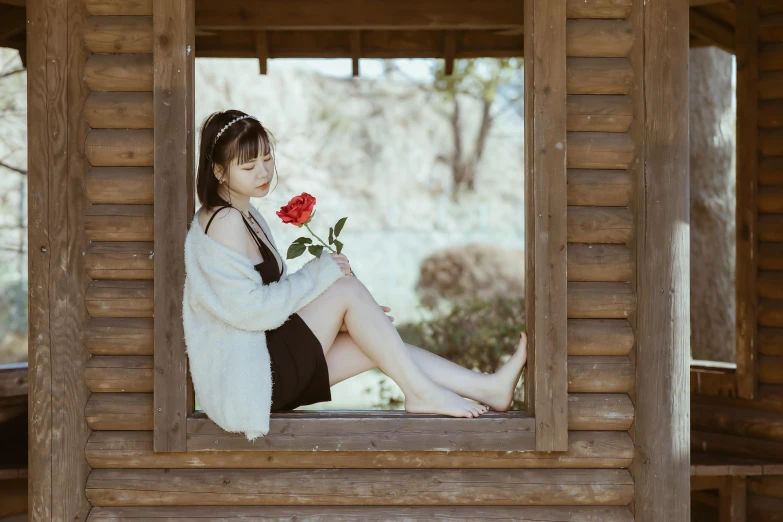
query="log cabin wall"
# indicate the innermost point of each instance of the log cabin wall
(129, 479)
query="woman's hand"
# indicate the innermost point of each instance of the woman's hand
(344, 328)
(341, 260)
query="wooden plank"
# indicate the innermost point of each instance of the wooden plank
(120, 147)
(14, 379)
(119, 260)
(119, 34)
(737, 421)
(599, 225)
(598, 8)
(120, 299)
(586, 450)
(174, 100)
(599, 374)
(661, 396)
(598, 38)
(119, 374)
(592, 113)
(715, 465)
(119, 110)
(599, 411)
(599, 150)
(736, 445)
(713, 382)
(599, 337)
(545, 139)
(599, 188)
(119, 7)
(119, 336)
(598, 75)
(120, 185)
(119, 72)
(364, 513)
(602, 300)
(119, 223)
(399, 487)
(597, 262)
(711, 30)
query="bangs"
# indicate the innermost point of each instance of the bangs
(249, 146)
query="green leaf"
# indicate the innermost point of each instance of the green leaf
(303, 240)
(339, 245)
(295, 250)
(315, 250)
(331, 238)
(339, 226)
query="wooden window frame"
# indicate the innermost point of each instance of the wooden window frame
(543, 427)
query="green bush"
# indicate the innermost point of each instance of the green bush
(477, 334)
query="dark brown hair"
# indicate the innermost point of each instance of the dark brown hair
(243, 141)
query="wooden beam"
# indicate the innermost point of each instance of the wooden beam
(546, 235)
(662, 353)
(262, 51)
(733, 503)
(449, 51)
(356, 51)
(747, 193)
(697, 3)
(174, 206)
(711, 30)
(316, 15)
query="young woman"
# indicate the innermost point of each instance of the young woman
(319, 325)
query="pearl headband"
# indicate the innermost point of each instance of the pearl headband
(221, 131)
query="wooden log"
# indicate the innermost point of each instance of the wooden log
(600, 300)
(770, 256)
(118, 34)
(737, 421)
(133, 449)
(764, 509)
(364, 513)
(745, 447)
(599, 262)
(771, 369)
(122, 260)
(598, 38)
(120, 147)
(713, 382)
(771, 114)
(122, 336)
(403, 487)
(770, 200)
(711, 30)
(599, 188)
(598, 76)
(119, 72)
(598, 8)
(771, 284)
(593, 113)
(771, 227)
(120, 185)
(119, 299)
(771, 171)
(112, 373)
(596, 374)
(770, 312)
(771, 29)
(771, 142)
(119, 7)
(599, 337)
(599, 150)
(771, 486)
(599, 411)
(771, 341)
(119, 222)
(119, 110)
(716, 465)
(771, 57)
(771, 85)
(599, 225)
(133, 411)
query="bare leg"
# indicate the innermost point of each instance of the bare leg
(345, 359)
(349, 300)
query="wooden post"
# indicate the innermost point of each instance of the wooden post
(747, 189)
(356, 51)
(546, 232)
(58, 280)
(733, 499)
(173, 28)
(662, 403)
(262, 51)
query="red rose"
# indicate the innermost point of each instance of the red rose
(298, 210)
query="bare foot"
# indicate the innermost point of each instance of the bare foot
(499, 393)
(437, 399)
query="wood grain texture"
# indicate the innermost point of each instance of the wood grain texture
(119, 223)
(119, 336)
(599, 337)
(598, 75)
(364, 513)
(119, 34)
(603, 300)
(546, 235)
(119, 260)
(597, 262)
(600, 225)
(119, 110)
(365, 487)
(599, 188)
(120, 185)
(133, 449)
(174, 106)
(119, 7)
(662, 314)
(119, 72)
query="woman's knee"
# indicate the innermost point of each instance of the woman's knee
(350, 287)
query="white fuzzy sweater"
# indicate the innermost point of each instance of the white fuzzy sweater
(226, 311)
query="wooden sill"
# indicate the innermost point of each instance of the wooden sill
(371, 430)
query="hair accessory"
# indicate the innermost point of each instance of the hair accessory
(221, 131)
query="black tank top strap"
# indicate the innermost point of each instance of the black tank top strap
(206, 229)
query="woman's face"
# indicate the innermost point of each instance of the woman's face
(251, 179)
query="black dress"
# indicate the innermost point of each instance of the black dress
(299, 372)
